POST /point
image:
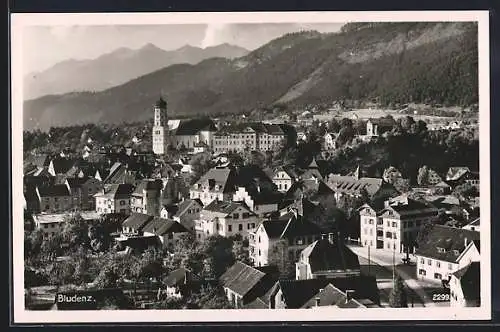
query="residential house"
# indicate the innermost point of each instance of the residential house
(474, 225)
(60, 166)
(327, 258)
(82, 190)
(290, 233)
(261, 200)
(186, 213)
(284, 177)
(54, 198)
(225, 218)
(465, 286)
(134, 224)
(395, 226)
(114, 198)
(460, 175)
(53, 223)
(445, 250)
(168, 231)
(243, 284)
(217, 183)
(180, 283)
(316, 170)
(374, 188)
(344, 292)
(146, 197)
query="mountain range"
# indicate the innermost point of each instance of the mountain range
(423, 62)
(117, 67)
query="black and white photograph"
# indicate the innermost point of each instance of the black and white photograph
(178, 167)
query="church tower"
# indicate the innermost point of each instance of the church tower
(160, 127)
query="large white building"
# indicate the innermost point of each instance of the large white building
(395, 225)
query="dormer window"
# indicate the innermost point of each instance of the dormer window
(441, 250)
(456, 252)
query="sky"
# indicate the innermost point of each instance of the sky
(44, 46)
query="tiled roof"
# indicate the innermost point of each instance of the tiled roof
(137, 221)
(178, 277)
(352, 185)
(148, 184)
(326, 256)
(76, 182)
(160, 226)
(62, 165)
(406, 206)
(224, 178)
(56, 190)
(241, 278)
(271, 129)
(116, 191)
(224, 207)
(297, 293)
(194, 126)
(289, 226)
(470, 281)
(186, 204)
(446, 243)
(455, 173)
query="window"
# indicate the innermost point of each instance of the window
(438, 264)
(248, 226)
(437, 276)
(422, 261)
(122, 202)
(45, 226)
(388, 224)
(429, 262)
(394, 224)
(259, 239)
(246, 215)
(259, 252)
(240, 227)
(422, 272)
(388, 246)
(371, 231)
(229, 228)
(450, 266)
(253, 225)
(388, 235)
(236, 215)
(394, 236)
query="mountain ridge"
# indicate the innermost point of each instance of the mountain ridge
(298, 69)
(117, 67)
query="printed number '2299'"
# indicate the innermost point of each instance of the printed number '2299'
(440, 297)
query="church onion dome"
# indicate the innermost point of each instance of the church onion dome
(161, 103)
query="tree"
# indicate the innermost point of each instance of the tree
(391, 174)
(425, 229)
(398, 296)
(465, 191)
(218, 253)
(423, 176)
(209, 297)
(280, 257)
(240, 249)
(75, 232)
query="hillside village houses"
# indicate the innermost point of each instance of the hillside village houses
(269, 210)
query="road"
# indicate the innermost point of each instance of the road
(420, 292)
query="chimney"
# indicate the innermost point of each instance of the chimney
(349, 294)
(465, 242)
(331, 238)
(317, 300)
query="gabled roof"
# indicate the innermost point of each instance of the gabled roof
(289, 226)
(77, 182)
(180, 276)
(326, 256)
(55, 190)
(405, 206)
(297, 293)
(241, 278)
(194, 126)
(449, 239)
(148, 184)
(183, 206)
(470, 281)
(289, 169)
(116, 191)
(137, 221)
(62, 165)
(455, 173)
(476, 223)
(160, 226)
(224, 178)
(352, 185)
(225, 207)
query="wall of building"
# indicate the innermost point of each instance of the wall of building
(55, 203)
